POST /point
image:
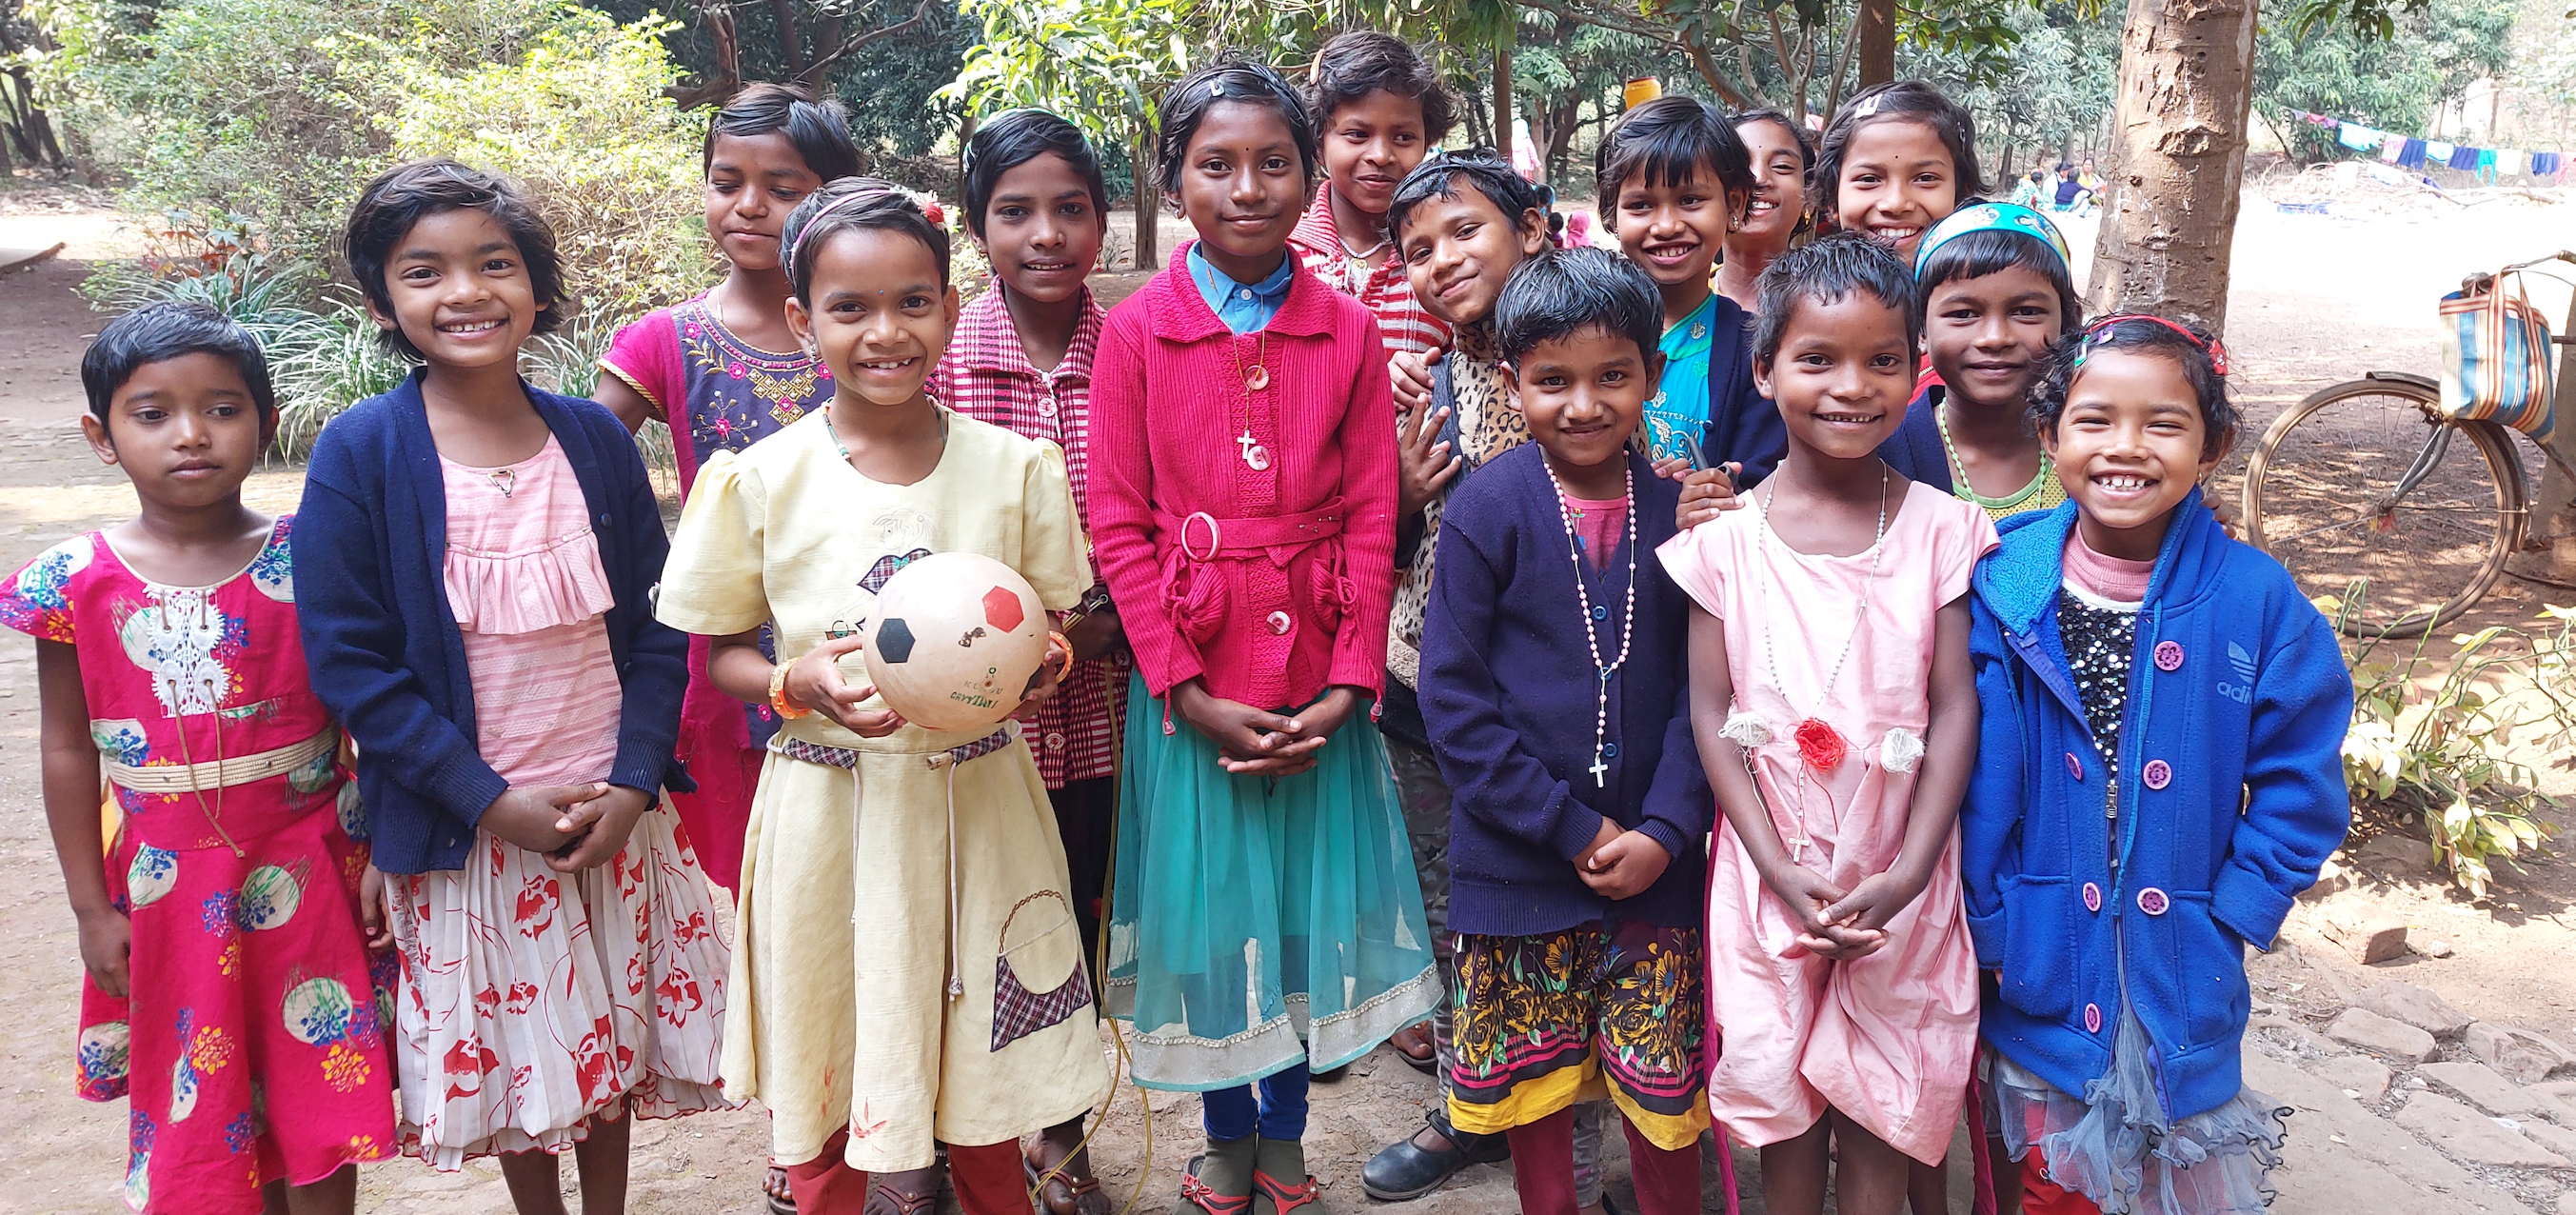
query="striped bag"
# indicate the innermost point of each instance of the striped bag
(2497, 361)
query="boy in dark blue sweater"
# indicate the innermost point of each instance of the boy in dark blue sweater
(1579, 810)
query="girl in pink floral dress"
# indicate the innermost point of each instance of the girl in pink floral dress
(228, 993)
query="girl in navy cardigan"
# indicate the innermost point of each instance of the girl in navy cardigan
(1578, 817)
(478, 560)
(2160, 773)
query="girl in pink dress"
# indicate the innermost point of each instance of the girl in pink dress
(228, 994)
(1836, 716)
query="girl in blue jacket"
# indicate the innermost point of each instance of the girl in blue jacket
(2160, 774)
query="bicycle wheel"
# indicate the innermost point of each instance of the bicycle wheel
(2392, 518)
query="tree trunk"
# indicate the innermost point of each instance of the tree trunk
(1148, 207)
(1503, 97)
(1877, 42)
(2177, 160)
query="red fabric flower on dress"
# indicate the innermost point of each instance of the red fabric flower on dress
(1820, 745)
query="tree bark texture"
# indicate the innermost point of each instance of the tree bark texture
(1503, 97)
(2177, 160)
(1149, 207)
(1877, 37)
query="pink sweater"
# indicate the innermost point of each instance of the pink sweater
(1283, 586)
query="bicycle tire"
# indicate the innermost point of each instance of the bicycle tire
(2319, 497)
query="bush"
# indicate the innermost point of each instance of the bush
(280, 111)
(2430, 735)
(581, 117)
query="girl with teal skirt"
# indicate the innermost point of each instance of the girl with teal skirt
(1265, 919)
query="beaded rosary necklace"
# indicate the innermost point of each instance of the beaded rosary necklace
(1600, 768)
(1821, 748)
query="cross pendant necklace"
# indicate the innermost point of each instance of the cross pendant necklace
(1255, 455)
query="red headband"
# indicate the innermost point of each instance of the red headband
(2216, 351)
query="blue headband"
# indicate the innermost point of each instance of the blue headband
(1990, 217)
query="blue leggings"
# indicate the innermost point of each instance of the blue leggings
(1280, 1113)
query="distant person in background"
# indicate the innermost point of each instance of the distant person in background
(2030, 190)
(2089, 179)
(2071, 194)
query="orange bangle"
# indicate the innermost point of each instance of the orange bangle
(1067, 667)
(778, 694)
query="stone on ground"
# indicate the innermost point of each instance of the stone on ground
(2332, 878)
(2398, 853)
(2369, 937)
(2414, 1006)
(2557, 1098)
(2470, 1136)
(2519, 1055)
(2480, 1086)
(2346, 1160)
(2353, 1074)
(2567, 1203)
(2550, 1135)
(2372, 1032)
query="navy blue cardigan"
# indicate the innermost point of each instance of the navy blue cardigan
(1915, 450)
(1508, 697)
(382, 642)
(1743, 425)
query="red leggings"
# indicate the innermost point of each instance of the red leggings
(2040, 1196)
(1543, 1169)
(989, 1180)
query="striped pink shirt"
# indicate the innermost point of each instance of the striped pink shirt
(524, 579)
(1402, 323)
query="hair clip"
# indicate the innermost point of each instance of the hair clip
(2099, 334)
(1216, 88)
(1867, 106)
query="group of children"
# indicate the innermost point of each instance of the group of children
(1716, 684)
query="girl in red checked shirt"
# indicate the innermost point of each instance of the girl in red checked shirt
(1021, 359)
(1266, 918)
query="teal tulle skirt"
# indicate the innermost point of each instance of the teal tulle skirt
(1259, 922)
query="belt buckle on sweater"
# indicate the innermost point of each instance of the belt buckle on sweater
(1216, 537)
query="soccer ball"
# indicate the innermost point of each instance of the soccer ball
(955, 640)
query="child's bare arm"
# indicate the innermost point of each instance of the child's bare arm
(1712, 690)
(71, 812)
(1949, 753)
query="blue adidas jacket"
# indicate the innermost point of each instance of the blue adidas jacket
(2231, 795)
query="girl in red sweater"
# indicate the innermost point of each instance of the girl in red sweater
(1266, 918)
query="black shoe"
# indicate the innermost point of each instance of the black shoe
(1405, 1171)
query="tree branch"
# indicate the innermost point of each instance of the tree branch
(815, 72)
(728, 74)
(791, 41)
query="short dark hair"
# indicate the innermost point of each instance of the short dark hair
(407, 193)
(1663, 141)
(846, 205)
(166, 330)
(1828, 269)
(1797, 134)
(1992, 251)
(1910, 101)
(1480, 169)
(1360, 62)
(2164, 338)
(1231, 76)
(819, 130)
(1015, 137)
(1566, 291)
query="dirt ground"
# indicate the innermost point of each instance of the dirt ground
(2316, 300)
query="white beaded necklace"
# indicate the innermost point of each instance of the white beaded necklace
(1600, 768)
(1813, 731)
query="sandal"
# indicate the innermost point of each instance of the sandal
(1080, 1194)
(887, 1200)
(1196, 1194)
(782, 1201)
(1283, 1198)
